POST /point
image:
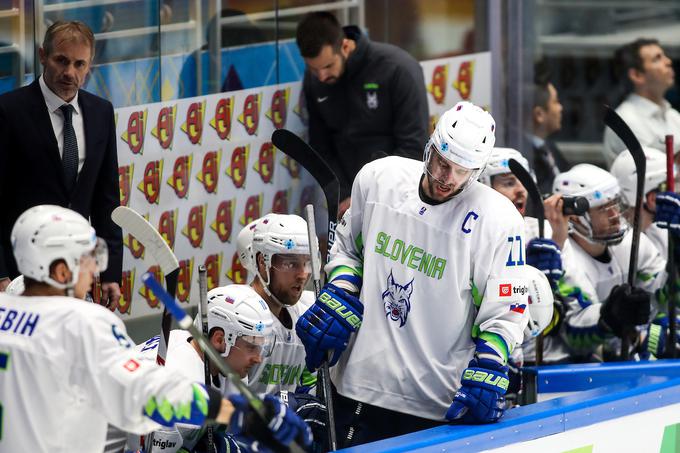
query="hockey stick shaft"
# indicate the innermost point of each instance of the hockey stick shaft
(324, 372)
(185, 322)
(670, 186)
(203, 316)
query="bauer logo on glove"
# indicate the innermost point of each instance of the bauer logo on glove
(496, 380)
(338, 307)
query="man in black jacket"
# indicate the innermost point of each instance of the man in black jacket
(365, 100)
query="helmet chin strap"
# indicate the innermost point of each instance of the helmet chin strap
(267, 291)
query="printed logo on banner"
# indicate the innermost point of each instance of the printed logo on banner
(437, 87)
(181, 175)
(194, 228)
(134, 134)
(136, 248)
(213, 267)
(127, 284)
(280, 203)
(186, 270)
(250, 117)
(306, 197)
(151, 299)
(223, 223)
(278, 110)
(165, 126)
(265, 162)
(463, 83)
(150, 185)
(236, 272)
(210, 170)
(125, 174)
(167, 226)
(299, 107)
(193, 126)
(238, 167)
(252, 209)
(221, 122)
(292, 166)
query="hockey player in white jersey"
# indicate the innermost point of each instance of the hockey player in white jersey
(67, 367)
(602, 240)
(240, 328)
(426, 291)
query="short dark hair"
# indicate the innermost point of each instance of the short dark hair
(628, 56)
(541, 92)
(74, 30)
(317, 30)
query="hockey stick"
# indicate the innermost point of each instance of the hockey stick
(535, 195)
(185, 322)
(621, 129)
(129, 220)
(324, 373)
(670, 186)
(203, 316)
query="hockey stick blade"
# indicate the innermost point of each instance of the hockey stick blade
(528, 182)
(185, 322)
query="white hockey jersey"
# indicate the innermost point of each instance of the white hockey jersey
(425, 270)
(67, 367)
(284, 368)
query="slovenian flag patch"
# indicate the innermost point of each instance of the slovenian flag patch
(518, 308)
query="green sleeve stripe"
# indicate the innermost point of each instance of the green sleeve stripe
(498, 342)
(344, 270)
(307, 379)
(476, 297)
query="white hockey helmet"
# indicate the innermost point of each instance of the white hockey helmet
(498, 164)
(16, 287)
(44, 234)
(244, 247)
(625, 172)
(240, 312)
(541, 301)
(600, 188)
(465, 136)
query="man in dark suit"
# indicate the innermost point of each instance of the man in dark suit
(58, 146)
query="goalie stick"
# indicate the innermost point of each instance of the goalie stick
(621, 129)
(185, 322)
(532, 189)
(670, 264)
(130, 220)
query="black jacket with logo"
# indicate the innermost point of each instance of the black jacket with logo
(378, 107)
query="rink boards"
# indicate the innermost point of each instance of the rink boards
(600, 408)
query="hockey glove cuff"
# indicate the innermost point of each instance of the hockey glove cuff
(667, 213)
(480, 397)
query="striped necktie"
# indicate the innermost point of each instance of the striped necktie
(69, 160)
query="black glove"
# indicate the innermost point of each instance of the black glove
(624, 309)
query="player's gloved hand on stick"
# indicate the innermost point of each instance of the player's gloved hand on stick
(656, 341)
(480, 397)
(327, 325)
(624, 309)
(283, 425)
(545, 255)
(667, 213)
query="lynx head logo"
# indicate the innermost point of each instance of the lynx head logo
(397, 300)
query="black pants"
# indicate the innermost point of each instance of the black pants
(358, 423)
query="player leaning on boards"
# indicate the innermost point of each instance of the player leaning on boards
(445, 258)
(68, 366)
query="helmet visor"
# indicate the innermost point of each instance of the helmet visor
(292, 263)
(255, 345)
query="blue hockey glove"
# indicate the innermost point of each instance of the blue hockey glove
(313, 411)
(283, 425)
(480, 397)
(667, 213)
(545, 255)
(656, 340)
(327, 325)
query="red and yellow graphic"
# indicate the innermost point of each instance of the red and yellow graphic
(165, 126)
(463, 82)
(433, 122)
(221, 122)
(280, 203)
(127, 284)
(186, 269)
(278, 109)
(223, 223)
(252, 209)
(437, 87)
(210, 170)
(213, 267)
(236, 272)
(299, 107)
(181, 175)
(125, 174)
(238, 166)
(250, 117)
(167, 226)
(151, 299)
(136, 247)
(193, 125)
(150, 185)
(292, 166)
(134, 134)
(265, 162)
(196, 225)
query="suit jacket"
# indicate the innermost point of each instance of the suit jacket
(31, 172)
(548, 162)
